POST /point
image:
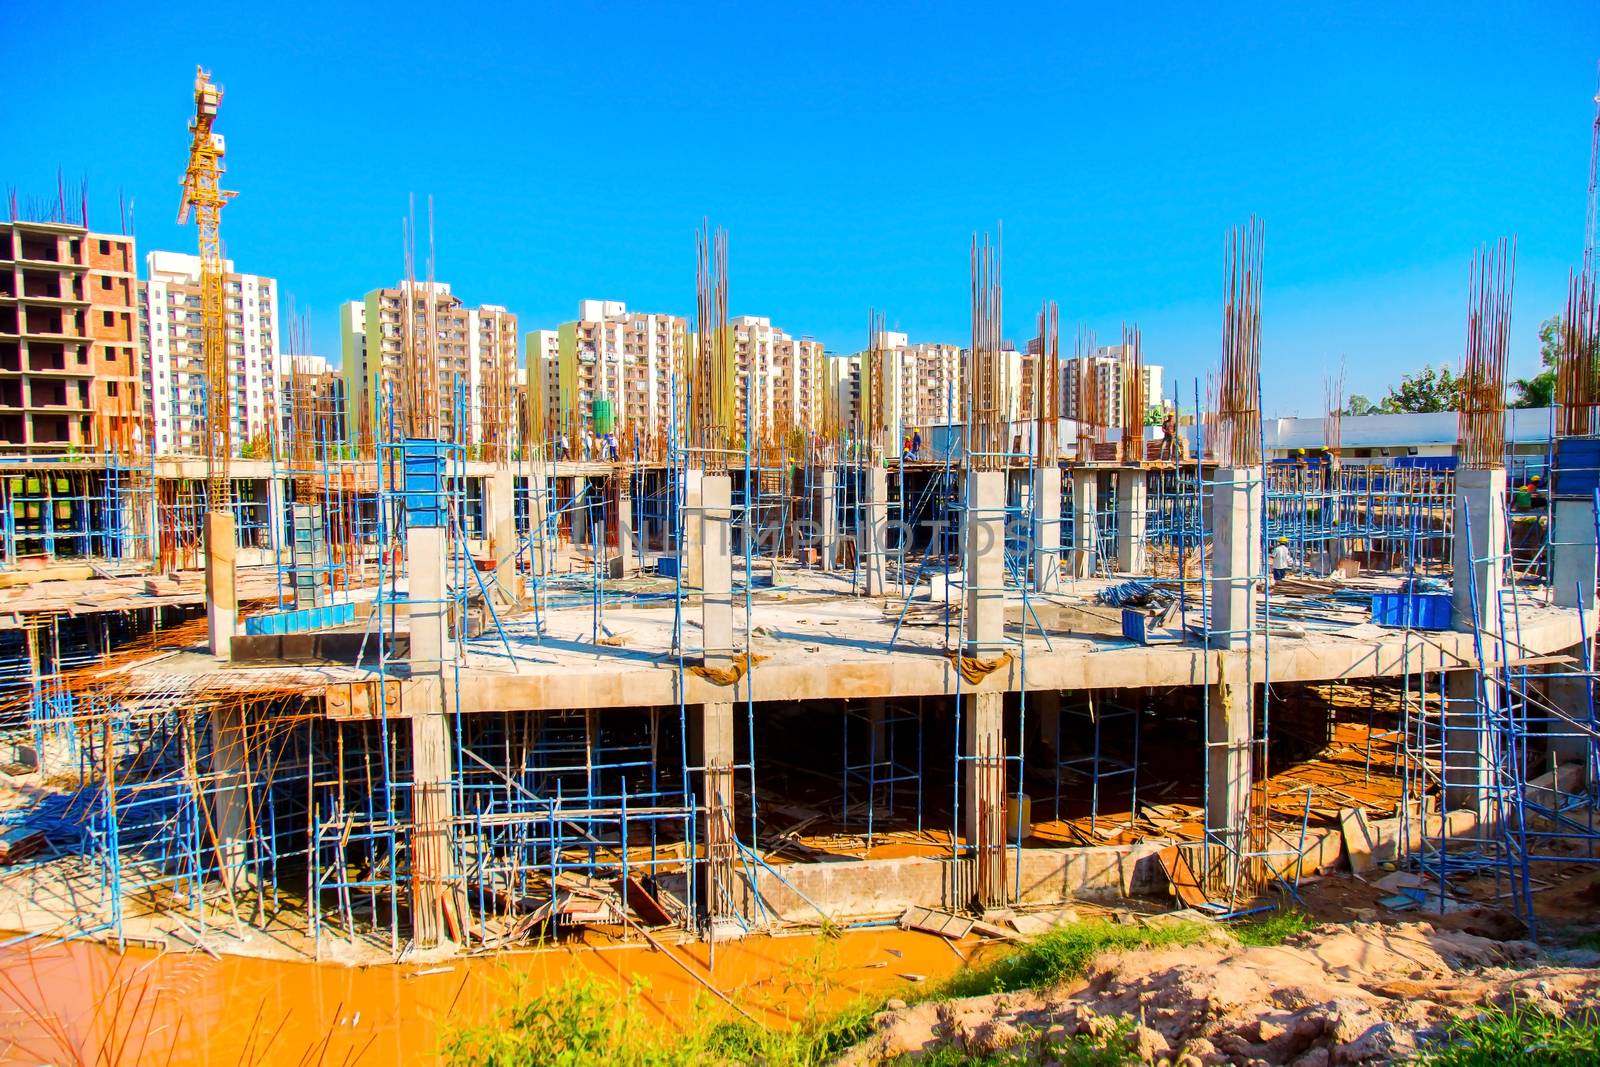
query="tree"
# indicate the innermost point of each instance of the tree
(1360, 405)
(1425, 390)
(1153, 415)
(1540, 390)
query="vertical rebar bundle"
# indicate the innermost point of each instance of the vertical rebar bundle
(873, 416)
(1333, 427)
(712, 376)
(1130, 369)
(1239, 389)
(1482, 426)
(987, 390)
(1047, 387)
(1086, 387)
(1578, 361)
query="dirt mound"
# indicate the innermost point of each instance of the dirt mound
(1336, 994)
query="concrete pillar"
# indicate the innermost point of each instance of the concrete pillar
(828, 516)
(1046, 493)
(1044, 709)
(1228, 766)
(581, 503)
(308, 556)
(712, 730)
(542, 535)
(627, 550)
(873, 551)
(693, 531)
(1236, 555)
(716, 567)
(985, 545)
(222, 598)
(1480, 548)
(277, 520)
(1085, 501)
(983, 821)
(1573, 561)
(500, 522)
(230, 797)
(1133, 491)
(432, 859)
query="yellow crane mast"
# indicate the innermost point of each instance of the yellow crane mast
(202, 191)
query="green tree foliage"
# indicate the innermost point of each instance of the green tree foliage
(1360, 405)
(1425, 390)
(1540, 390)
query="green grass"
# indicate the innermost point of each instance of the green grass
(1516, 1037)
(1590, 941)
(1064, 952)
(1079, 1051)
(585, 1020)
(1275, 929)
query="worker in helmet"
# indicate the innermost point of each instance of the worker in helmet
(1280, 560)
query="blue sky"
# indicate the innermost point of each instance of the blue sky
(572, 150)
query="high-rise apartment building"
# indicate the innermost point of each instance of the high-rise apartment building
(472, 353)
(630, 359)
(921, 383)
(174, 376)
(1106, 366)
(542, 353)
(69, 341)
(788, 372)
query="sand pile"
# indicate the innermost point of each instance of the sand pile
(1337, 994)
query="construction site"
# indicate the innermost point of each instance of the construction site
(423, 698)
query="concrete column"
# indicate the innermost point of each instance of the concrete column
(985, 545)
(308, 555)
(983, 815)
(693, 532)
(1573, 561)
(1044, 708)
(627, 551)
(716, 567)
(712, 731)
(500, 522)
(543, 537)
(1133, 491)
(874, 543)
(230, 798)
(276, 519)
(1228, 765)
(1236, 555)
(1046, 493)
(828, 515)
(432, 860)
(1480, 548)
(1085, 501)
(581, 503)
(222, 598)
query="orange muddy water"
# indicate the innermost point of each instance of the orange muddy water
(84, 1003)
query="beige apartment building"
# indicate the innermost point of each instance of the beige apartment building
(616, 359)
(921, 384)
(472, 351)
(788, 375)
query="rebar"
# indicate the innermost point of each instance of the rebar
(1482, 402)
(1238, 407)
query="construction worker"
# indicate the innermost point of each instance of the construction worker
(1169, 436)
(1280, 560)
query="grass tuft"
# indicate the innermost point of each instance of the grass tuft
(1518, 1036)
(1275, 929)
(1062, 953)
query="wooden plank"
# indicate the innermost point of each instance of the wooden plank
(942, 923)
(647, 907)
(1184, 883)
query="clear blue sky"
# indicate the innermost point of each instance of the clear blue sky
(851, 153)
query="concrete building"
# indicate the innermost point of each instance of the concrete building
(174, 372)
(69, 342)
(788, 372)
(629, 358)
(312, 398)
(542, 380)
(921, 382)
(1383, 439)
(475, 348)
(1106, 365)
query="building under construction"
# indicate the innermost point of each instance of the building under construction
(421, 694)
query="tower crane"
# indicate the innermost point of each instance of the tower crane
(203, 192)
